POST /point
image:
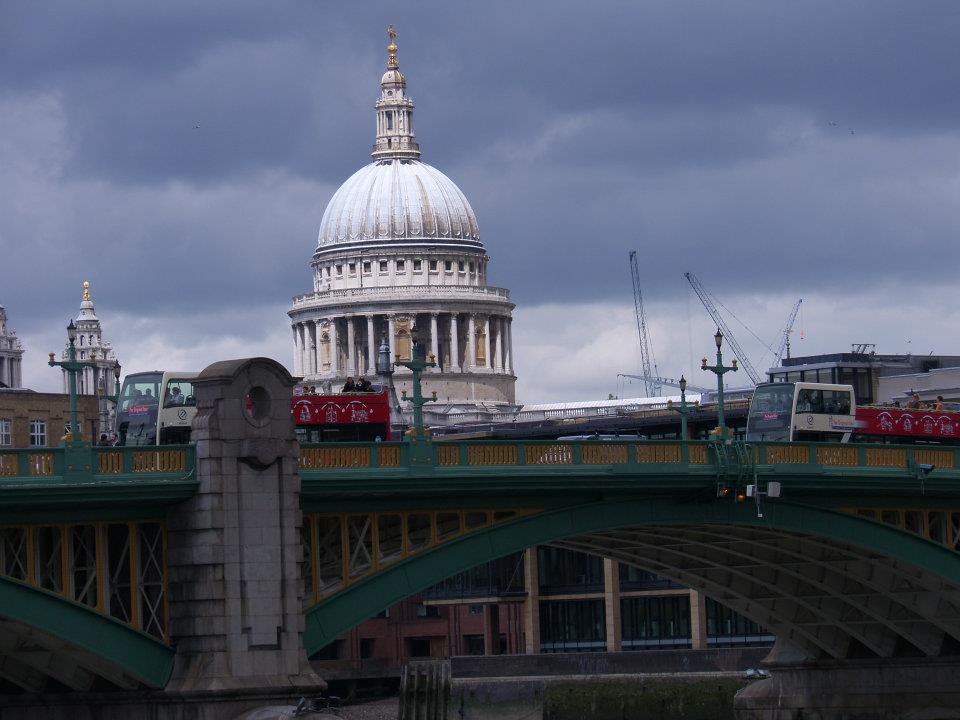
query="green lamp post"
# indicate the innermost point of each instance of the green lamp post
(421, 449)
(73, 366)
(417, 364)
(720, 370)
(682, 410)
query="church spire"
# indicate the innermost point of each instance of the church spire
(392, 63)
(86, 305)
(395, 136)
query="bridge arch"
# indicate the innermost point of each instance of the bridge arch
(831, 583)
(44, 636)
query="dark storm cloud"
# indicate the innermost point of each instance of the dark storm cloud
(182, 153)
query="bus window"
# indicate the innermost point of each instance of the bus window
(836, 402)
(140, 391)
(179, 393)
(810, 401)
(823, 402)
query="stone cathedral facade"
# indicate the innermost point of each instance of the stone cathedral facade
(399, 258)
(91, 346)
(11, 355)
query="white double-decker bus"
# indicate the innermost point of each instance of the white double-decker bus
(156, 408)
(815, 412)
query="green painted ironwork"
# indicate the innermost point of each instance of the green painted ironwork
(344, 610)
(375, 476)
(128, 650)
(719, 369)
(418, 436)
(94, 482)
(683, 410)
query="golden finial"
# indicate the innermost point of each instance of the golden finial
(392, 63)
(86, 290)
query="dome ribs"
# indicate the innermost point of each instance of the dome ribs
(397, 201)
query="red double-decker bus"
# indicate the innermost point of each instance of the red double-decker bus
(884, 424)
(828, 413)
(344, 417)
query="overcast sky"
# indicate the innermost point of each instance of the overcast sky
(179, 155)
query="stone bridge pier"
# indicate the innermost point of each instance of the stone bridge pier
(234, 550)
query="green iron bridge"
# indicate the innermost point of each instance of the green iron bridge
(857, 558)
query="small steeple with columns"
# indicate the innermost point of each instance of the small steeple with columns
(11, 354)
(395, 136)
(90, 345)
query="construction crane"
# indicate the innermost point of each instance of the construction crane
(785, 336)
(669, 382)
(648, 364)
(722, 326)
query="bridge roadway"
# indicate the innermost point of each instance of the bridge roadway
(218, 567)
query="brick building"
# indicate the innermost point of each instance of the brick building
(35, 419)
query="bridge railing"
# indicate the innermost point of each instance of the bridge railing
(836, 455)
(652, 454)
(491, 453)
(95, 464)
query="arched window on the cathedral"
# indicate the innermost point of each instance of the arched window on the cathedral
(81, 341)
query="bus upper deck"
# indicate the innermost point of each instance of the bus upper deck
(156, 408)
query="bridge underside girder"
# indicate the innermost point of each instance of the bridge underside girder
(48, 643)
(832, 584)
(30, 658)
(826, 597)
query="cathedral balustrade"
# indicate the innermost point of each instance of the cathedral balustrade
(317, 299)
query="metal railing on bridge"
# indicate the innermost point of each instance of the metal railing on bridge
(317, 459)
(95, 464)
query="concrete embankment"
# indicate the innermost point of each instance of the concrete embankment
(666, 697)
(671, 685)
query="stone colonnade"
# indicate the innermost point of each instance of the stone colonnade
(347, 345)
(11, 372)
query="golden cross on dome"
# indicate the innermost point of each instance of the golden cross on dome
(392, 63)
(86, 289)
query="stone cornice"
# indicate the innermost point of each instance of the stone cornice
(421, 298)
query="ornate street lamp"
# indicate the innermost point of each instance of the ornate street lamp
(116, 383)
(682, 410)
(417, 364)
(719, 370)
(73, 366)
(421, 449)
